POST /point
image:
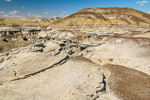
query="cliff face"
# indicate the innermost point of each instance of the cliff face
(103, 18)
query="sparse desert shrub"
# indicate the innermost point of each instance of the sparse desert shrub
(44, 26)
(80, 58)
(2, 24)
(100, 37)
(2, 20)
(0, 49)
(15, 25)
(67, 31)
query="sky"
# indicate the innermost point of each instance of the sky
(62, 8)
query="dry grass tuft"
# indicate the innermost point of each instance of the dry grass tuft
(11, 44)
(67, 31)
(44, 26)
(15, 25)
(130, 38)
(100, 37)
(80, 58)
(4, 47)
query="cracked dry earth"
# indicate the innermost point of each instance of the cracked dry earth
(47, 71)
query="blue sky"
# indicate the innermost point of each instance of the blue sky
(62, 8)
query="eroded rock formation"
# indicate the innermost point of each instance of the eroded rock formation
(73, 64)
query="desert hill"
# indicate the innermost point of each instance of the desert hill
(19, 22)
(27, 22)
(104, 18)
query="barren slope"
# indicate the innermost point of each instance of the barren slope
(128, 84)
(21, 22)
(103, 18)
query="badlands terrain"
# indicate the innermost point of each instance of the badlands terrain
(93, 54)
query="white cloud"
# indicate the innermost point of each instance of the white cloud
(29, 13)
(46, 9)
(63, 12)
(37, 16)
(149, 12)
(23, 7)
(5, 15)
(142, 1)
(67, 15)
(61, 15)
(2, 12)
(16, 16)
(138, 2)
(142, 4)
(52, 11)
(145, 1)
(13, 12)
(7, 0)
(46, 13)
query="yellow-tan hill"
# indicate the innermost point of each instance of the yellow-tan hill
(106, 18)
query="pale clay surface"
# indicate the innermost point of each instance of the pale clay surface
(48, 70)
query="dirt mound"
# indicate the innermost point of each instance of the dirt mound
(128, 84)
(110, 11)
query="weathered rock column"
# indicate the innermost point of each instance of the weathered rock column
(30, 33)
(33, 33)
(36, 33)
(68, 42)
(86, 38)
(21, 31)
(42, 41)
(28, 36)
(94, 36)
(29, 40)
(7, 33)
(3, 33)
(0, 34)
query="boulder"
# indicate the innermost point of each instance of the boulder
(42, 34)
